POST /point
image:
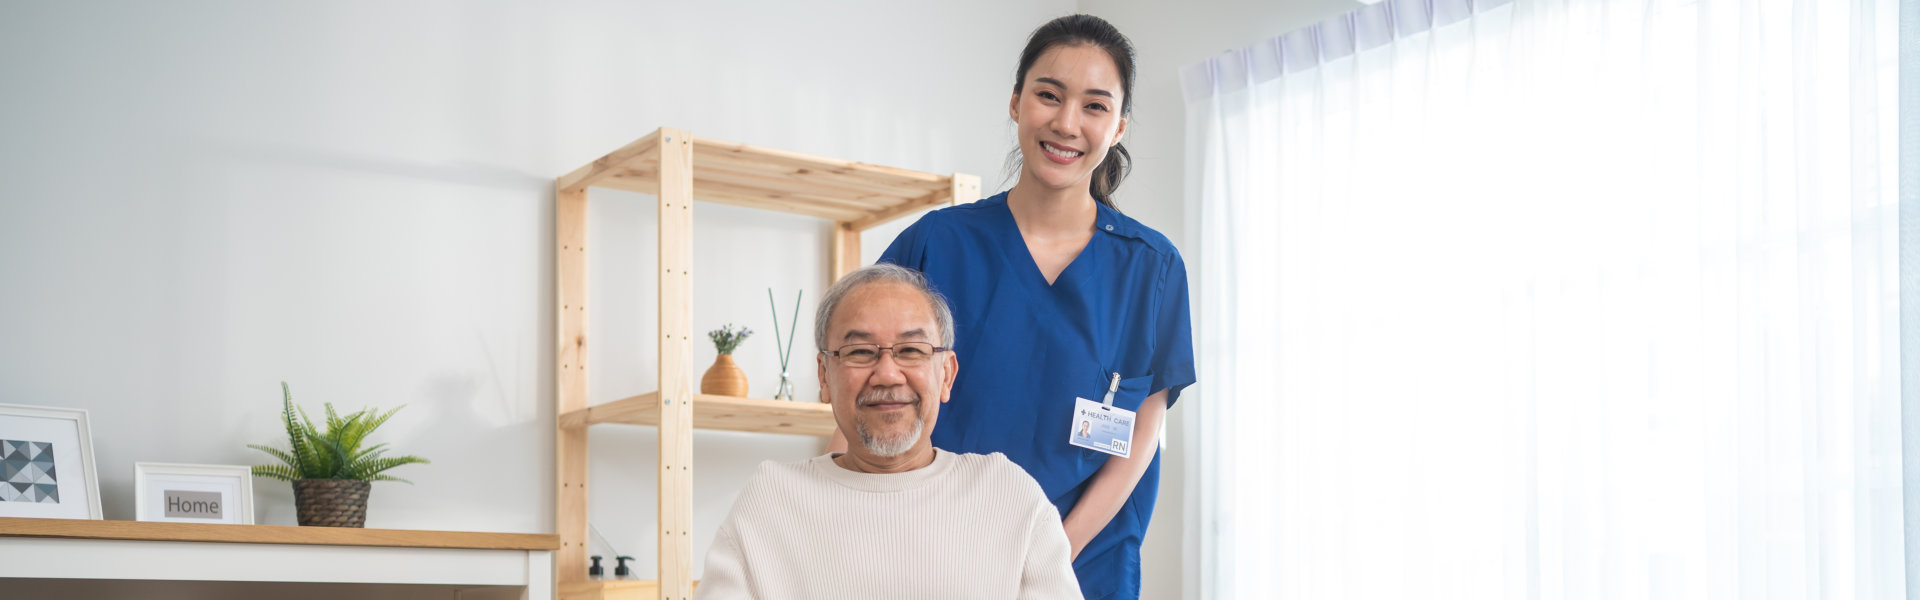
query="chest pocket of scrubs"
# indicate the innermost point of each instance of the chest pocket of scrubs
(1133, 392)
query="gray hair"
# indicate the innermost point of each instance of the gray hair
(881, 273)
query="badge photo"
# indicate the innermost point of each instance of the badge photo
(178, 493)
(46, 461)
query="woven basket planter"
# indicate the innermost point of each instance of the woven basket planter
(331, 502)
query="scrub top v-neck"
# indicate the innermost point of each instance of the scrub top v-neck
(1027, 349)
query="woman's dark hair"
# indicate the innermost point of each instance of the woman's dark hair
(1075, 30)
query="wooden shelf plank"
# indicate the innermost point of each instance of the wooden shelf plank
(931, 200)
(708, 193)
(628, 156)
(613, 589)
(718, 166)
(272, 534)
(857, 201)
(779, 170)
(713, 412)
(639, 182)
(775, 180)
(703, 146)
(962, 189)
(642, 182)
(609, 590)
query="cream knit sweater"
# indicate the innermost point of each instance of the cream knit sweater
(966, 526)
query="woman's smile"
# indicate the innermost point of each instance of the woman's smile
(1060, 154)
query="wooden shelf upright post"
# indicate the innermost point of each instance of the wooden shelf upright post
(676, 368)
(570, 358)
(846, 252)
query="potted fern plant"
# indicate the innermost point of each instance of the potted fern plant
(330, 470)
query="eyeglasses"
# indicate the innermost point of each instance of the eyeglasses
(905, 354)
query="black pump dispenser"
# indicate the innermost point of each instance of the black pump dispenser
(621, 571)
(595, 572)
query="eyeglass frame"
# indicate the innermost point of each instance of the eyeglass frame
(886, 351)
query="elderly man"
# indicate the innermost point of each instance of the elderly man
(893, 517)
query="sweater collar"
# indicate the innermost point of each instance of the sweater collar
(885, 482)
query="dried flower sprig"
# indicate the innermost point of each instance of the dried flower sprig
(727, 338)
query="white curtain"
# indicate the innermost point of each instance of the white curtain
(1550, 299)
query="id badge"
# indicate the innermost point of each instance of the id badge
(1098, 426)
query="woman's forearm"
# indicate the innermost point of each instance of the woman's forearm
(1115, 480)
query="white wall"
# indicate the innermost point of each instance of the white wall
(201, 199)
(1167, 36)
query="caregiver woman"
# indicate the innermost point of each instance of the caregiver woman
(1058, 298)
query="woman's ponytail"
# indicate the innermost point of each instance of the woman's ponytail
(1107, 176)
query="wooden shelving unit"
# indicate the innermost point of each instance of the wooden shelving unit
(680, 168)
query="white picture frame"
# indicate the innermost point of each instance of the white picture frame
(46, 463)
(186, 493)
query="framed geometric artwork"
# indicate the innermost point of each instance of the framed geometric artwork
(178, 493)
(46, 463)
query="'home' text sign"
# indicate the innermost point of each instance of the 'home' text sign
(194, 505)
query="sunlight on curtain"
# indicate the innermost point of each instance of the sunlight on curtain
(1551, 299)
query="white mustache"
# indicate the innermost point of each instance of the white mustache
(887, 395)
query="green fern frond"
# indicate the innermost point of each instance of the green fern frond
(354, 429)
(371, 420)
(335, 452)
(306, 423)
(277, 453)
(368, 468)
(281, 472)
(336, 462)
(373, 451)
(382, 419)
(317, 458)
(333, 418)
(295, 434)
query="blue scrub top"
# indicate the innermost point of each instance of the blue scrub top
(1027, 349)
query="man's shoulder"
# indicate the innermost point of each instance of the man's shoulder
(786, 470)
(995, 471)
(992, 462)
(769, 492)
(774, 475)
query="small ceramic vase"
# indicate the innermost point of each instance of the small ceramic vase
(724, 378)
